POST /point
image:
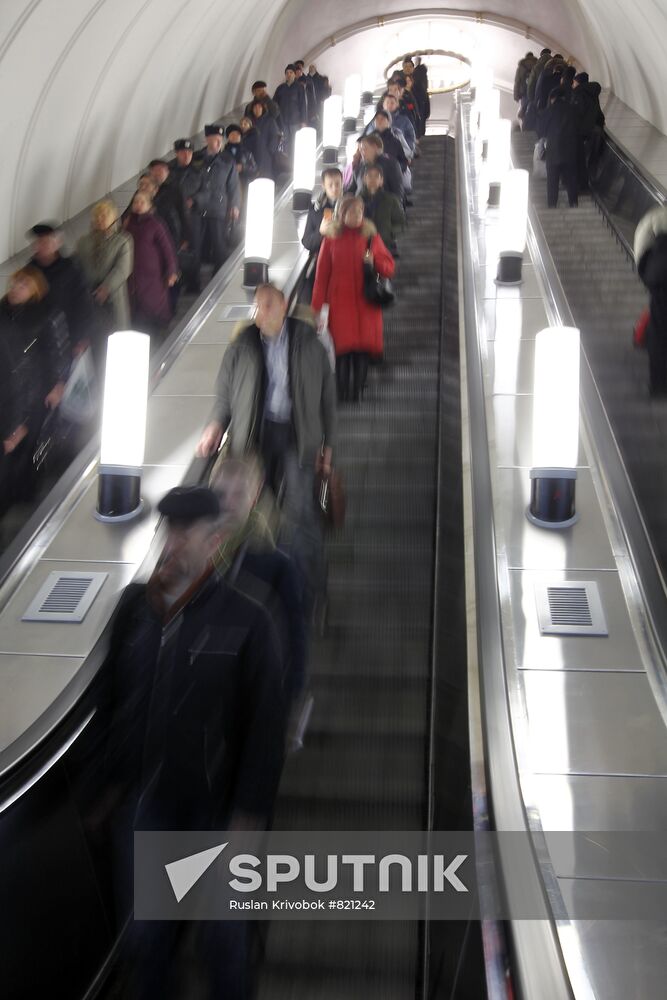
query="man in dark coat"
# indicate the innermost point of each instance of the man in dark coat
(68, 290)
(290, 97)
(534, 75)
(320, 83)
(169, 203)
(275, 391)
(196, 739)
(260, 93)
(400, 120)
(246, 166)
(371, 151)
(418, 90)
(560, 132)
(219, 199)
(381, 207)
(321, 212)
(392, 143)
(269, 134)
(189, 178)
(253, 144)
(302, 78)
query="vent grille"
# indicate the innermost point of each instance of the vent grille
(234, 313)
(65, 597)
(569, 608)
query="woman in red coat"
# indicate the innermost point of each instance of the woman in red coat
(155, 267)
(355, 324)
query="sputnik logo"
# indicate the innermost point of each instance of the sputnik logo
(186, 872)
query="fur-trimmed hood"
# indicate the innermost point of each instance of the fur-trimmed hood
(368, 229)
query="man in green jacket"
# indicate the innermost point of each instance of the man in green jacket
(275, 392)
(382, 207)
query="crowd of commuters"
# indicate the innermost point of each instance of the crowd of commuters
(129, 271)
(562, 106)
(206, 677)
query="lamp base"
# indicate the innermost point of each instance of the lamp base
(509, 269)
(118, 497)
(349, 125)
(301, 201)
(494, 195)
(329, 156)
(367, 98)
(552, 496)
(255, 272)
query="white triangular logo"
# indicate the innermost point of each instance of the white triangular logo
(186, 872)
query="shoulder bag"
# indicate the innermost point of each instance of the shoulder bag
(377, 290)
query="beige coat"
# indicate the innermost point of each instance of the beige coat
(109, 262)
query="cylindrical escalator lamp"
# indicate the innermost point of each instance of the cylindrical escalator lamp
(305, 158)
(488, 106)
(258, 232)
(351, 102)
(500, 137)
(123, 426)
(512, 225)
(555, 428)
(367, 84)
(332, 127)
(481, 80)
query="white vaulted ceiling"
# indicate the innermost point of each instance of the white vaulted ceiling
(91, 89)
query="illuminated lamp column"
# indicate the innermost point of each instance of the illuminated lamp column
(258, 232)
(555, 428)
(499, 157)
(351, 102)
(512, 226)
(367, 85)
(488, 105)
(332, 126)
(305, 157)
(123, 426)
(481, 80)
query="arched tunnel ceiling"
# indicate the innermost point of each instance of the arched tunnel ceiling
(91, 89)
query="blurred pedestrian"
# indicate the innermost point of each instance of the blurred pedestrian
(107, 257)
(155, 268)
(355, 324)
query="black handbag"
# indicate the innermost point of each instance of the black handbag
(377, 290)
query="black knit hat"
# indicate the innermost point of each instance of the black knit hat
(189, 503)
(44, 229)
(232, 128)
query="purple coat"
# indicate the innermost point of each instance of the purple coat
(154, 260)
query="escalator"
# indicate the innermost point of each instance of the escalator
(387, 745)
(367, 755)
(606, 298)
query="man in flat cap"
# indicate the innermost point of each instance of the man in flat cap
(196, 737)
(187, 174)
(290, 97)
(260, 93)
(68, 290)
(197, 684)
(218, 202)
